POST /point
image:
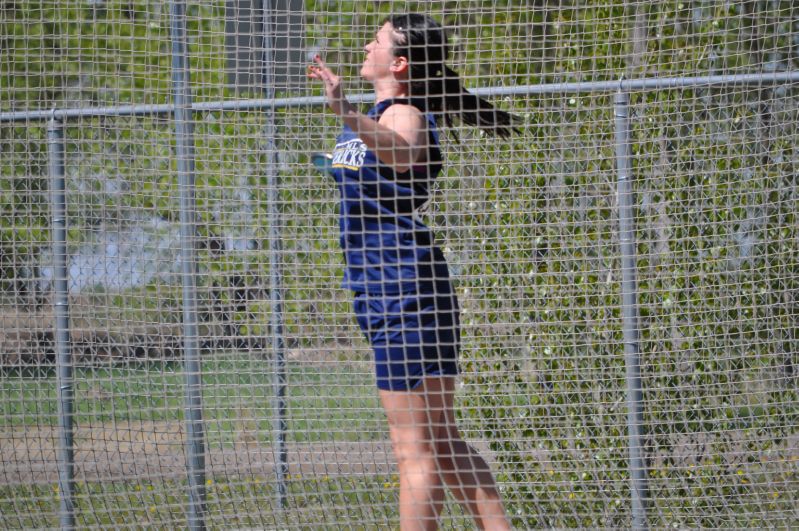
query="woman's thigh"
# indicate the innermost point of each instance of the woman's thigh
(421, 415)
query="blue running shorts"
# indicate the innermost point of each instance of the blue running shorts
(412, 335)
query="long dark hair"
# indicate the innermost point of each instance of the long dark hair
(434, 86)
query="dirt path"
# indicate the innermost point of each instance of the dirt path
(131, 450)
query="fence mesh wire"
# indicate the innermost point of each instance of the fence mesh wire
(529, 226)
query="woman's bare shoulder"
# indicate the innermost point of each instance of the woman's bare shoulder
(406, 120)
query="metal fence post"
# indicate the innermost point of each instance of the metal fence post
(184, 133)
(275, 265)
(64, 380)
(630, 319)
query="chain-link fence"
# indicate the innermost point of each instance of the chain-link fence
(176, 349)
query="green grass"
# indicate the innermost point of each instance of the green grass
(362, 502)
(326, 503)
(335, 402)
(358, 502)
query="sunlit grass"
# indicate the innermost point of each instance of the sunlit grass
(323, 403)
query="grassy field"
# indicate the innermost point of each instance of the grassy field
(327, 503)
(325, 402)
(134, 413)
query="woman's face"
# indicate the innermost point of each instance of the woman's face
(380, 62)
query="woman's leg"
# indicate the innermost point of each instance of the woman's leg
(429, 447)
(412, 426)
(463, 469)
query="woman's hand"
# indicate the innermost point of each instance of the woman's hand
(333, 89)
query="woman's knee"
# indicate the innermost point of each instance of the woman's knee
(418, 453)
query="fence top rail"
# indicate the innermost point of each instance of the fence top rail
(643, 84)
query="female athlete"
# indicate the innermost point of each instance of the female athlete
(384, 163)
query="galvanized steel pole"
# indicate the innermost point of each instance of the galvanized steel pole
(184, 135)
(64, 379)
(275, 266)
(630, 319)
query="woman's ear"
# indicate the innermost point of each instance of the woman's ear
(400, 66)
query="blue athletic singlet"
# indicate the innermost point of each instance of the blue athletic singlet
(387, 248)
(404, 301)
